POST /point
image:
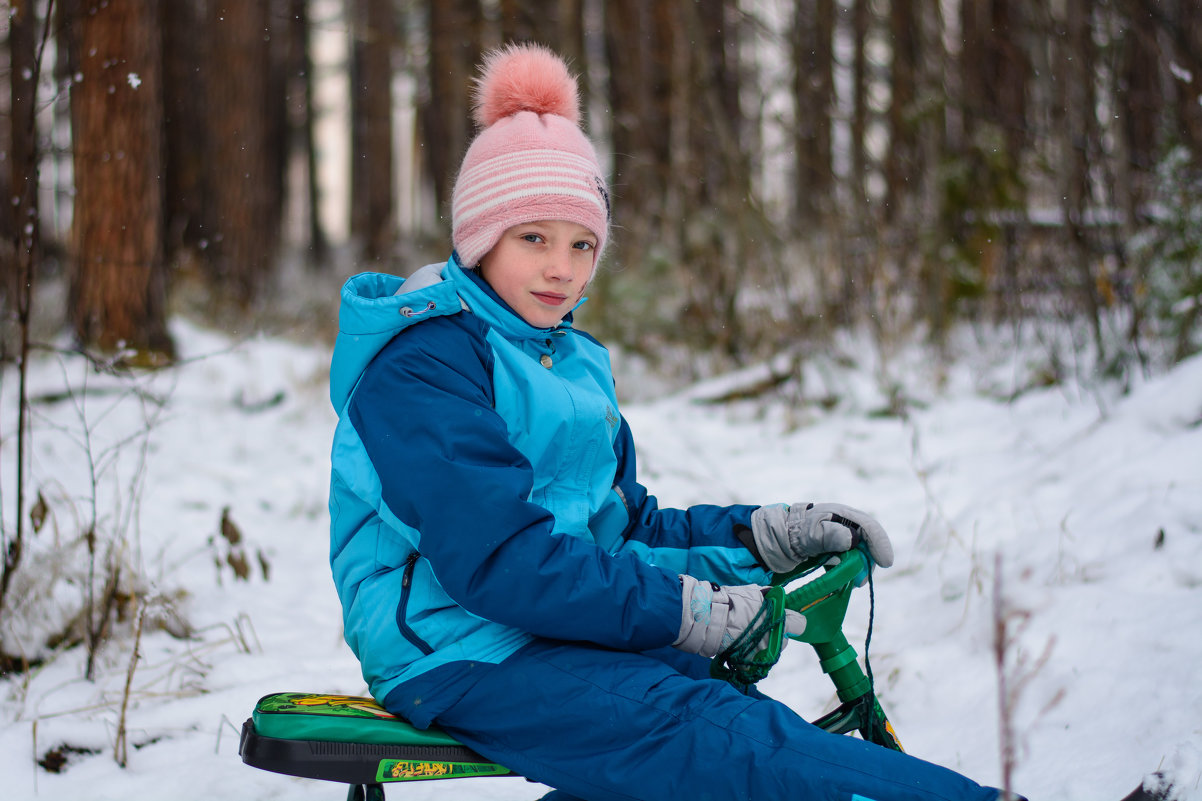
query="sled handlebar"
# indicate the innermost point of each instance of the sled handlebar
(823, 602)
(823, 599)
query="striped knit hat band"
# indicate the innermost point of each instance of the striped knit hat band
(531, 161)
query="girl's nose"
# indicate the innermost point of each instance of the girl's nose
(559, 264)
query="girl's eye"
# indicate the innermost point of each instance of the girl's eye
(584, 245)
(532, 238)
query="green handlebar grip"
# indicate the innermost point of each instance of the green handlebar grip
(823, 600)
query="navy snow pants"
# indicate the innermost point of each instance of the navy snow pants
(604, 725)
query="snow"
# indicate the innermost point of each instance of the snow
(1089, 500)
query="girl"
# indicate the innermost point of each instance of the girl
(502, 572)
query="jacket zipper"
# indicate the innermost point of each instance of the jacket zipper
(402, 609)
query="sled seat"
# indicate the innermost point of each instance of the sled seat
(352, 740)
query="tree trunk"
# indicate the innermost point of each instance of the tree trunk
(1079, 130)
(716, 211)
(991, 105)
(184, 125)
(18, 266)
(1141, 99)
(118, 289)
(639, 56)
(243, 160)
(901, 160)
(455, 49)
(1187, 31)
(554, 23)
(305, 119)
(814, 94)
(569, 42)
(20, 219)
(936, 275)
(852, 225)
(372, 222)
(861, 17)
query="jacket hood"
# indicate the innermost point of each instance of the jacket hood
(375, 307)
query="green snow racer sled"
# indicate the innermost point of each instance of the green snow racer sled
(353, 740)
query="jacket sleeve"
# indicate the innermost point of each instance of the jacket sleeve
(424, 411)
(701, 540)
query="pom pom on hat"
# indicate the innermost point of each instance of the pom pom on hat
(531, 161)
(530, 78)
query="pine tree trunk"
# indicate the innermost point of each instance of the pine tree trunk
(184, 124)
(242, 160)
(371, 128)
(715, 214)
(813, 92)
(1079, 130)
(118, 289)
(447, 127)
(861, 16)
(301, 72)
(569, 43)
(639, 74)
(1141, 97)
(901, 160)
(20, 220)
(1186, 25)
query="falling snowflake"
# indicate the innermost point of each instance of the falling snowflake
(134, 80)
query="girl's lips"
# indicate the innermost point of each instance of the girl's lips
(550, 298)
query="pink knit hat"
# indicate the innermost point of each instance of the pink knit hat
(531, 161)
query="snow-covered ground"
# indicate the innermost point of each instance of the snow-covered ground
(1089, 500)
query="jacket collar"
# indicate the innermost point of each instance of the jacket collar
(483, 301)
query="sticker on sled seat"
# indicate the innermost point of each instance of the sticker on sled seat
(338, 718)
(409, 770)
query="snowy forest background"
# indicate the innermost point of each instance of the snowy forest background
(848, 211)
(780, 168)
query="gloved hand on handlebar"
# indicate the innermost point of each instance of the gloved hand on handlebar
(785, 536)
(713, 616)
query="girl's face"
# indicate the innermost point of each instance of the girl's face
(541, 269)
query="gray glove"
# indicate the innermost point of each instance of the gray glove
(788, 535)
(712, 616)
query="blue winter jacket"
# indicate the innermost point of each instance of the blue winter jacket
(483, 487)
